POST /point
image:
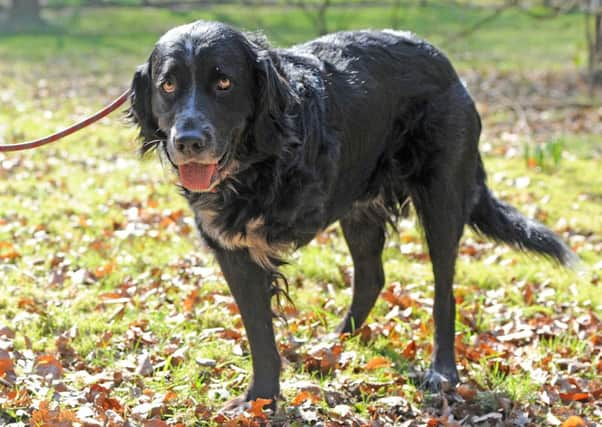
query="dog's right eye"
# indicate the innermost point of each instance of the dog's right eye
(224, 84)
(168, 86)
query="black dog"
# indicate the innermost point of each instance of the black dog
(271, 146)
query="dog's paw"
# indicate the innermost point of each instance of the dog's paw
(235, 406)
(242, 403)
(436, 381)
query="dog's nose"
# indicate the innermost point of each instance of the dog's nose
(192, 137)
(190, 143)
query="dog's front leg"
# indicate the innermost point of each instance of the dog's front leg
(250, 286)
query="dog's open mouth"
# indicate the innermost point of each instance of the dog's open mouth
(198, 177)
(204, 177)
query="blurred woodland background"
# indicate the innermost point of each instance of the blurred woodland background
(20, 15)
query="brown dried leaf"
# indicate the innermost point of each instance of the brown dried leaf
(409, 351)
(230, 334)
(573, 421)
(145, 367)
(99, 395)
(257, 406)
(377, 362)
(104, 270)
(303, 396)
(8, 252)
(7, 369)
(467, 392)
(7, 332)
(64, 348)
(155, 423)
(192, 299)
(44, 416)
(575, 396)
(47, 364)
(105, 340)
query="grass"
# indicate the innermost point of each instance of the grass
(86, 219)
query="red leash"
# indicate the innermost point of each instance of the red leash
(71, 129)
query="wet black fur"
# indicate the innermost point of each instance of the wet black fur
(346, 127)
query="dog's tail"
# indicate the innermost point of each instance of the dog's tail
(504, 223)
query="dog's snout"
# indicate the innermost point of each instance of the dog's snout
(189, 143)
(193, 141)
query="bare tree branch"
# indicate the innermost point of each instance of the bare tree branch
(483, 21)
(315, 12)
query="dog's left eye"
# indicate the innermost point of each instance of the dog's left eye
(224, 83)
(168, 86)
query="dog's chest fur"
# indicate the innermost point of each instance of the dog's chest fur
(254, 237)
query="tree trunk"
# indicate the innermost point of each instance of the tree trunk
(25, 11)
(395, 15)
(322, 23)
(315, 12)
(597, 48)
(594, 45)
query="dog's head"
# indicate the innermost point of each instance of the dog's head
(206, 91)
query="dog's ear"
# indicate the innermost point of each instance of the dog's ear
(140, 111)
(272, 122)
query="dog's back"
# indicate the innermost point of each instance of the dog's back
(398, 109)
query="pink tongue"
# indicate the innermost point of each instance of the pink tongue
(196, 176)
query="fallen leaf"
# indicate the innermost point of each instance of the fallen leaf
(377, 362)
(192, 299)
(573, 421)
(30, 305)
(64, 348)
(574, 397)
(256, 408)
(230, 334)
(7, 369)
(19, 397)
(303, 396)
(409, 351)
(8, 252)
(47, 364)
(44, 416)
(7, 332)
(155, 423)
(531, 163)
(323, 358)
(104, 270)
(145, 367)
(99, 395)
(105, 340)
(169, 396)
(466, 391)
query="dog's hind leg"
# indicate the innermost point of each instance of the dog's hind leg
(443, 197)
(365, 237)
(439, 209)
